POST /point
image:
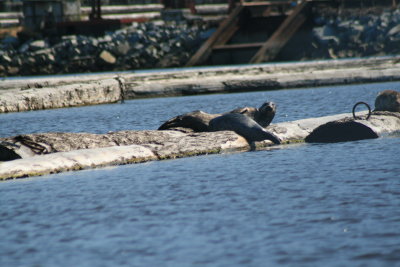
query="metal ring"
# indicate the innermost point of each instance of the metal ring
(354, 110)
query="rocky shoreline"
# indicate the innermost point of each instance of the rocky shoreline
(142, 45)
(335, 34)
(356, 33)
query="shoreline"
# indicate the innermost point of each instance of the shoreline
(329, 33)
(38, 93)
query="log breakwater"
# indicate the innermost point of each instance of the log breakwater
(79, 90)
(41, 154)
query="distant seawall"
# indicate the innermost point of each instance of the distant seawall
(79, 90)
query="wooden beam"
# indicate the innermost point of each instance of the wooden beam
(237, 46)
(227, 28)
(267, 3)
(282, 35)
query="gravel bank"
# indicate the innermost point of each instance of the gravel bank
(334, 34)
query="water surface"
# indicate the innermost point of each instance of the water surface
(301, 205)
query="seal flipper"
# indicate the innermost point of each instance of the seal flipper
(244, 126)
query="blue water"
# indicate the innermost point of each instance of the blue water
(147, 114)
(300, 205)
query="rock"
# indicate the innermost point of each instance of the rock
(13, 70)
(107, 57)
(122, 48)
(30, 60)
(37, 45)
(23, 48)
(326, 35)
(388, 100)
(5, 58)
(394, 31)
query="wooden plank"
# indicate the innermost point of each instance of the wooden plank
(227, 34)
(237, 46)
(225, 30)
(267, 3)
(282, 35)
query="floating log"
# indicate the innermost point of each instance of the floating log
(44, 96)
(40, 154)
(163, 143)
(69, 91)
(110, 149)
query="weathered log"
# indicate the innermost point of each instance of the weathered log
(165, 144)
(47, 153)
(151, 145)
(39, 154)
(29, 145)
(43, 96)
(68, 91)
(350, 129)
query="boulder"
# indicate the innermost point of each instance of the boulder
(107, 57)
(394, 31)
(388, 100)
(37, 45)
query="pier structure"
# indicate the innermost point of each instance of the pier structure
(256, 32)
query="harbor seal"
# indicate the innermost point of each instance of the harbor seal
(388, 100)
(199, 120)
(242, 125)
(262, 115)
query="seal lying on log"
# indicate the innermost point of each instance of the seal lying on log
(199, 121)
(242, 125)
(247, 122)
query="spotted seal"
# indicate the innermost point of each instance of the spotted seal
(199, 120)
(242, 125)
